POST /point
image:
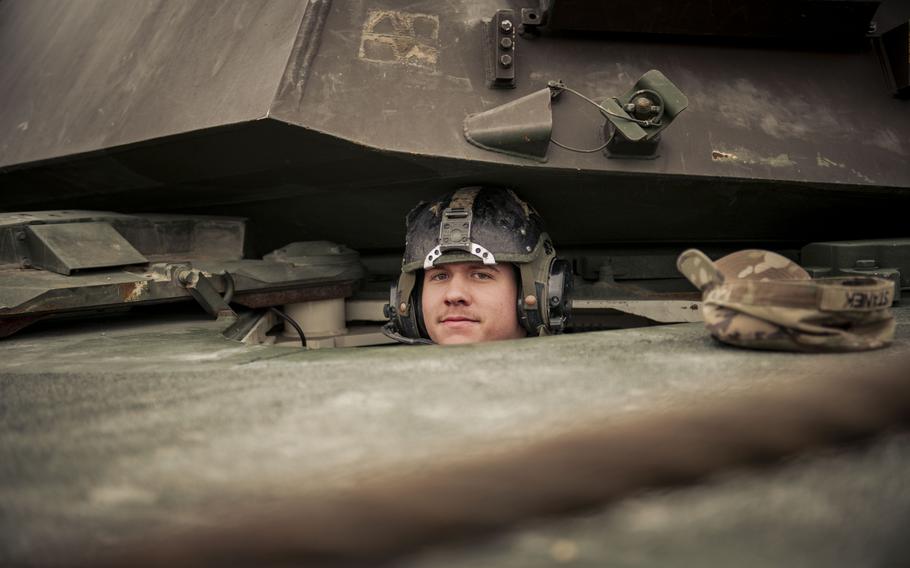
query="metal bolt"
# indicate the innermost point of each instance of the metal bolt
(506, 43)
(506, 60)
(554, 301)
(644, 107)
(506, 26)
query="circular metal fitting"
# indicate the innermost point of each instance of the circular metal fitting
(506, 43)
(506, 60)
(506, 26)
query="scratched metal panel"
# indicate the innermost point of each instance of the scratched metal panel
(404, 79)
(87, 75)
(367, 120)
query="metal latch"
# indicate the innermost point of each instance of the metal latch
(201, 288)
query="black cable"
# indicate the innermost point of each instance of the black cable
(560, 86)
(291, 321)
(580, 150)
(389, 331)
(229, 287)
(606, 111)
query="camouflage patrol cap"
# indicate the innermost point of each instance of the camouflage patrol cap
(762, 300)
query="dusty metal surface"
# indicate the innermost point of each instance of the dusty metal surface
(80, 77)
(150, 113)
(164, 424)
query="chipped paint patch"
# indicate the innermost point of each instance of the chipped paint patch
(748, 106)
(826, 163)
(862, 176)
(886, 139)
(130, 292)
(120, 495)
(718, 155)
(391, 36)
(747, 157)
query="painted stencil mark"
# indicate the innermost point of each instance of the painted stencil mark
(390, 36)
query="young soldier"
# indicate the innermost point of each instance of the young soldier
(477, 266)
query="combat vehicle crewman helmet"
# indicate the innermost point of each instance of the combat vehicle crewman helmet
(488, 225)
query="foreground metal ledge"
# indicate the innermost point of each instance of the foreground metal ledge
(139, 426)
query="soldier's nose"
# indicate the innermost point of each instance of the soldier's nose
(456, 293)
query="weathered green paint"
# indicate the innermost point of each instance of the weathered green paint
(139, 426)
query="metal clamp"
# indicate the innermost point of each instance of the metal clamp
(502, 36)
(202, 290)
(480, 252)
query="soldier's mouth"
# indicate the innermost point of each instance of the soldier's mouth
(458, 321)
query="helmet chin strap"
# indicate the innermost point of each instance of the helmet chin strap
(480, 252)
(389, 331)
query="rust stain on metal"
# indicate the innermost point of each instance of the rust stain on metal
(294, 296)
(715, 155)
(391, 36)
(133, 291)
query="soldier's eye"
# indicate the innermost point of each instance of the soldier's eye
(438, 276)
(483, 276)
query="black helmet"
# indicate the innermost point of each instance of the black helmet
(490, 225)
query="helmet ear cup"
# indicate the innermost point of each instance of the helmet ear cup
(410, 325)
(417, 307)
(559, 290)
(550, 314)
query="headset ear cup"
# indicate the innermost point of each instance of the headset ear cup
(559, 289)
(417, 307)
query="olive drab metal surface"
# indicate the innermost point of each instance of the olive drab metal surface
(202, 211)
(284, 111)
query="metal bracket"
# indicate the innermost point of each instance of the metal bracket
(636, 119)
(201, 288)
(480, 252)
(455, 228)
(501, 35)
(455, 234)
(532, 19)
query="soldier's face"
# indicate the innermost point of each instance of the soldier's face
(467, 302)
